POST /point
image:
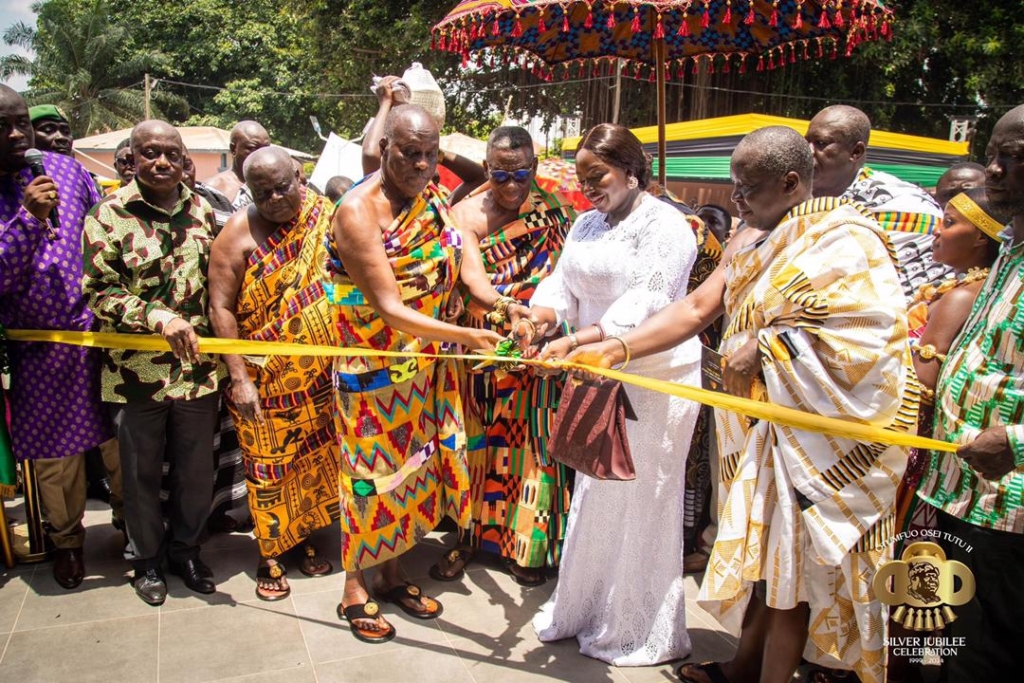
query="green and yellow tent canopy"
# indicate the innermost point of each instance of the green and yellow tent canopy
(700, 150)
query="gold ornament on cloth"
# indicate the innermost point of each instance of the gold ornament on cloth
(929, 293)
(977, 216)
(921, 586)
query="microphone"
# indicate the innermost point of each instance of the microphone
(34, 159)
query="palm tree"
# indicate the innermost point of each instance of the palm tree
(82, 65)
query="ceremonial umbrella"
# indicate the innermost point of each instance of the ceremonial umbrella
(653, 36)
(555, 174)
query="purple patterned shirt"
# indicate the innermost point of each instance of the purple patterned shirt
(55, 388)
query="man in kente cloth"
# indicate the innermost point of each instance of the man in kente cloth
(267, 284)
(819, 324)
(403, 447)
(520, 497)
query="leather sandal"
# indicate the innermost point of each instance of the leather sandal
(711, 670)
(410, 591)
(463, 555)
(272, 572)
(368, 611)
(310, 557)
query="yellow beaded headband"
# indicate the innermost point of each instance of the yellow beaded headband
(976, 215)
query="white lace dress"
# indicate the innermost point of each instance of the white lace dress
(620, 587)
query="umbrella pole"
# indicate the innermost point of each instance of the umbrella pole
(659, 56)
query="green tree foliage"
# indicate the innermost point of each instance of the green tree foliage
(279, 63)
(81, 65)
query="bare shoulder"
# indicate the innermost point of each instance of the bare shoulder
(236, 237)
(741, 240)
(224, 182)
(470, 214)
(360, 215)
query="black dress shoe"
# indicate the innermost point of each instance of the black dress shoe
(99, 490)
(150, 586)
(196, 575)
(68, 567)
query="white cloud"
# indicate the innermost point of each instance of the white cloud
(11, 12)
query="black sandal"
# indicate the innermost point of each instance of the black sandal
(463, 555)
(310, 551)
(272, 572)
(410, 592)
(522, 580)
(369, 611)
(713, 670)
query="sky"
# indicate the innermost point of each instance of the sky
(11, 12)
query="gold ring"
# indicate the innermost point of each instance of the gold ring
(53, 194)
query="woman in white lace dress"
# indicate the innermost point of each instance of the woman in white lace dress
(620, 588)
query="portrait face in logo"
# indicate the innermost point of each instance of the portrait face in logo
(924, 582)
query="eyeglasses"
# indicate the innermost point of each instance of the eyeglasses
(520, 175)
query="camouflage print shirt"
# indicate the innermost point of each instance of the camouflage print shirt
(143, 267)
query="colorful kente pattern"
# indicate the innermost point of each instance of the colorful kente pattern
(520, 496)
(403, 446)
(291, 460)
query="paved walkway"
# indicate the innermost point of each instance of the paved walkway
(103, 632)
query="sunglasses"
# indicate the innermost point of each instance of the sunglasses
(520, 176)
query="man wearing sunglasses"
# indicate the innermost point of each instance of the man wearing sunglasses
(519, 230)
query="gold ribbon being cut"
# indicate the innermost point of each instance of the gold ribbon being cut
(788, 417)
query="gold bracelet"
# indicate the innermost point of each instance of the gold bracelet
(928, 352)
(573, 341)
(499, 311)
(625, 349)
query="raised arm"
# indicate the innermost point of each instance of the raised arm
(387, 97)
(358, 239)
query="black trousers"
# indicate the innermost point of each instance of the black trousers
(992, 624)
(182, 432)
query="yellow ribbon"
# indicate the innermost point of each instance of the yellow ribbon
(770, 412)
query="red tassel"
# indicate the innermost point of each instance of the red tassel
(727, 19)
(839, 21)
(684, 27)
(659, 29)
(725, 66)
(711, 65)
(541, 26)
(774, 19)
(634, 26)
(705, 19)
(589, 21)
(743, 66)
(611, 18)
(495, 27)
(799, 21)
(636, 72)
(517, 30)
(750, 15)
(565, 73)
(824, 22)
(792, 56)
(595, 73)
(760, 63)
(821, 50)
(581, 72)
(465, 58)
(835, 51)
(652, 78)
(565, 22)
(695, 69)
(771, 62)
(806, 56)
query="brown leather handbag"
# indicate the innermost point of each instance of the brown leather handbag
(589, 429)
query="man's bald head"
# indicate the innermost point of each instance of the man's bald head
(957, 178)
(409, 117)
(9, 94)
(246, 138)
(159, 156)
(1004, 175)
(408, 151)
(849, 122)
(771, 170)
(273, 155)
(18, 135)
(838, 136)
(775, 151)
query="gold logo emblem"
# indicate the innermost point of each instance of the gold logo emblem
(923, 587)
(371, 609)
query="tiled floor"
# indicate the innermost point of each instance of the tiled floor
(103, 632)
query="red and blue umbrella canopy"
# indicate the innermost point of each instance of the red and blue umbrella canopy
(712, 34)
